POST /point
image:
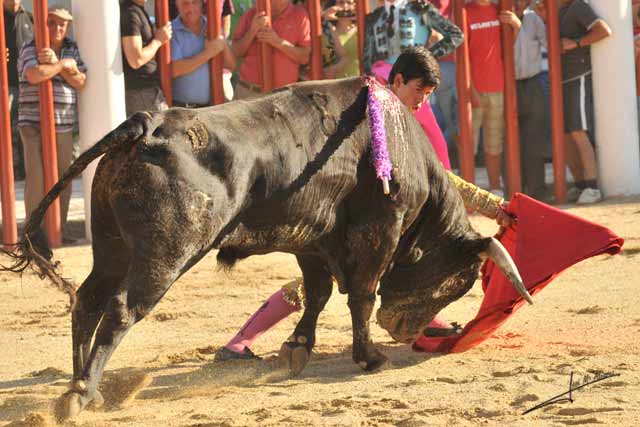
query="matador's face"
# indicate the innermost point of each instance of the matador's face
(412, 93)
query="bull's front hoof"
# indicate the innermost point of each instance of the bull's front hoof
(294, 356)
(68, 406)
(373, 362)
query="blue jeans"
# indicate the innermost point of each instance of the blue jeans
(447, 100)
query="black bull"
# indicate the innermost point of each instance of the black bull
(289, 172)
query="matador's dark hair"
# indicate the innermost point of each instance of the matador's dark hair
(417, 63)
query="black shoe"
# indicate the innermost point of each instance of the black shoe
(455, 329)
(223, 354)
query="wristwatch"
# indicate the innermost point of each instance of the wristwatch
(577, 40)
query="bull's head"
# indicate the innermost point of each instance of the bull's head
(431, 276)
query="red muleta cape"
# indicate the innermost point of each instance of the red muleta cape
(544, 242)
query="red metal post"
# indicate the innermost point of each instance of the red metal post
(266, 51)
(362, 10)
(557, 114)
(9, 228)
(47, 128)
(514, 178)
(214, 30)
(315, 10)
(463, 83)
(164, 53)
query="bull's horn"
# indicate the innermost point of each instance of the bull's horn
(499, 255)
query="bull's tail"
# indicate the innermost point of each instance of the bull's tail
(32, 248)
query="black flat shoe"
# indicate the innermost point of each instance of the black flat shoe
(455, 329)
(223, 354)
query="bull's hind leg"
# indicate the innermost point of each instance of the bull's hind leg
(110, 264)
(295, 353)
(87, 312)
(142, 287)
(90, 304)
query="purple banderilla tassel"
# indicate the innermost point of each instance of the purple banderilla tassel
(378, 135)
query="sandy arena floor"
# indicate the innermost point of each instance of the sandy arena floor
(587, 321)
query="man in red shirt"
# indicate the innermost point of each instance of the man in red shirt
(487, 76)
(289, 34)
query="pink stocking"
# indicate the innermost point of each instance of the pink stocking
(268, 315)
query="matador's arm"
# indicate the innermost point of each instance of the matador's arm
(476, 198)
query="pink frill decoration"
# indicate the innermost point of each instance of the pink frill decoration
(381, 159)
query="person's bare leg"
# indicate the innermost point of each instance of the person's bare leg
(494, 170)
(573, 159)
(590, 192)
(587, 155)
(493, 132)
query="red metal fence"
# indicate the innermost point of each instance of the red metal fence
(463, 79)
(9, 228)
(47, 128)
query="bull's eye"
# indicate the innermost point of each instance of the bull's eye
(415, 255)
(158, 132)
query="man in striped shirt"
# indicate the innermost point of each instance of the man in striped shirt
(61, 63)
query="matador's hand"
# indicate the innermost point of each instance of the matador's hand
(504, 219)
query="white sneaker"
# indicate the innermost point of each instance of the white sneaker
(573, 195)
(589, 195)
(497, 192)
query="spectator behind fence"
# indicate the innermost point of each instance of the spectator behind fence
(333, 54)
(400, 24)
(63, 65)
(530, 38)
(225, 5)
(343, 38)
(446, 96)
(190, 55)
(239, 9)
(18, 29)
(139, 47)
(227, 12)
(288, 34)
(580, 27)
(487, 86)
